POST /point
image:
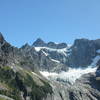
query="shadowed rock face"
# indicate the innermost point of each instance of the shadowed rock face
(1, 38)
(62, 45)
(98, 78)
(97, 43)
(83, 51)
(56, 46)
(39, 43)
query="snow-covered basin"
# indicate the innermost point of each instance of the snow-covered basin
(69, 76)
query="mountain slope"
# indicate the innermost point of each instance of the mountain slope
(18, 78)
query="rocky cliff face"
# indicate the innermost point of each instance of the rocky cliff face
(83, 51)
(19, 75)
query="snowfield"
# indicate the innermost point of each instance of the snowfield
(95, 61)
(55, 61)
(71, 76)
(61, 51)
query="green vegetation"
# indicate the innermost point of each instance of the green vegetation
(1, 98)
(7, 76)
(17, 82)
(38, 92)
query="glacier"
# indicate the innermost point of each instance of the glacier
(73, 73)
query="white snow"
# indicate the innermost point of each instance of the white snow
(69, 45)
(55, 61)
(95, 60)
(62, 51)
(46, 54)
(47, 74)
(98, 51)
(73, 74)
(39, 48)
(35, 74)
(69, 76)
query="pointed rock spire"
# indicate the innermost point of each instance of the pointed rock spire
(1, 38)
(26, 46)
(39, 42)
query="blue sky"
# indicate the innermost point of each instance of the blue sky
(24, 21)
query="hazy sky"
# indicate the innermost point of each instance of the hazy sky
(23, 21)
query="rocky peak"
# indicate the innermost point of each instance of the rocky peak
(1, 38)
(57, 46)
(97, 43)
(52, 45)
(39, 43)
(25, 46)
(79, 42)
(83, 51)
(61, 45)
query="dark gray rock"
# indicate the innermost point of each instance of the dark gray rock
(56, 46)
(61, 45)
(52, 45)
(83, 51)
(39, 43)
(1, 38)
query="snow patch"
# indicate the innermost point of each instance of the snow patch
(69, 45)
(47, 74)
(62, 51)
(39, 48)
(71, 76)
(98, 51)
(55, 61)
(46, 54)
(35, 74)
(95, 61)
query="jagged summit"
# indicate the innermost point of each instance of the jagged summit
(39, 42)
(56, 46)
(1, 38)
(51, 45)
(26, 46)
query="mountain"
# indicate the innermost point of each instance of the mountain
(80, 54)
(50, 71)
